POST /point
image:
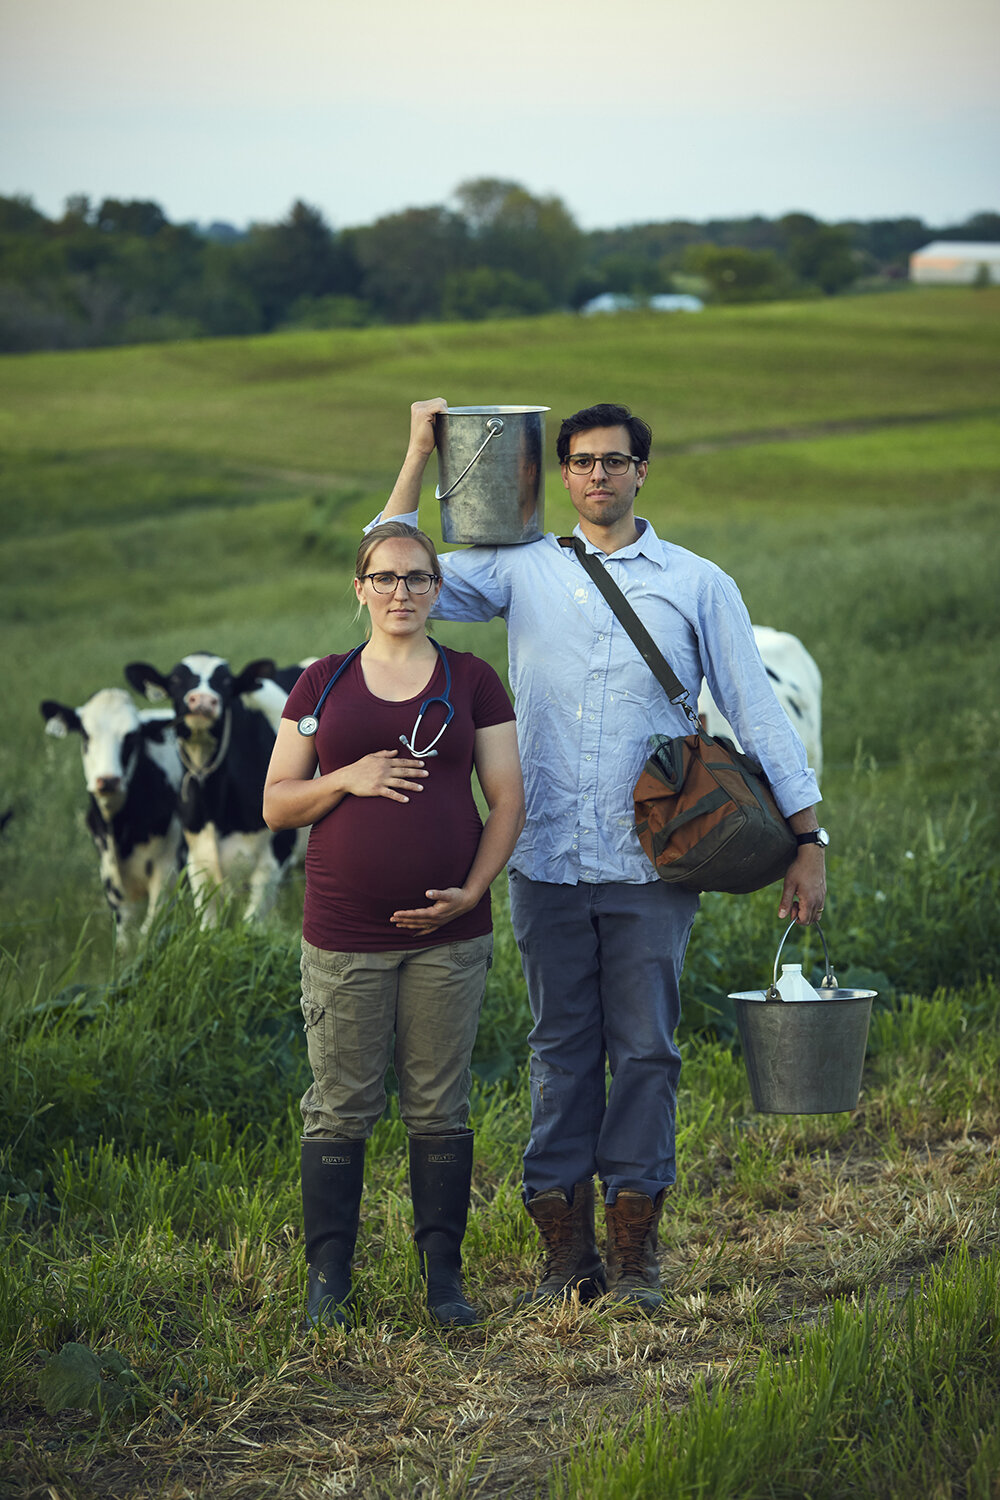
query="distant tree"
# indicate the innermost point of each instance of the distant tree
(18, 215)
(298, 257)
(487, 293)
(982, 226)
(735, 275)
(406, 259)
(138, 217)
(154, 270)
(222, 233)
(77, 212)
(890, 242)
(36, 320)
(819, 254)
(121, 271)
(218, 299)
(636, 276)
(333, 311)
(481, 201)
(511, 230)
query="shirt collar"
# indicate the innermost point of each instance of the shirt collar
(646, 544)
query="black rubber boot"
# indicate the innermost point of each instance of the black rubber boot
(440, 1181)
(332, 1179)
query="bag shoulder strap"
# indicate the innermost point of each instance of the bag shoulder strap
(636, 630)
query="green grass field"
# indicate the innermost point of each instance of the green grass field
(841, 459)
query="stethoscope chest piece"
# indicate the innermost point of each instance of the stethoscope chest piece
(309, 723)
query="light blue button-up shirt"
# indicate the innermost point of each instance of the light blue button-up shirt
(587, 703)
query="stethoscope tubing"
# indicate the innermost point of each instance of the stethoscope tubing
(309, 723)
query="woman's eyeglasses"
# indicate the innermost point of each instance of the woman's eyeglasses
(416, 583)
(611, 463)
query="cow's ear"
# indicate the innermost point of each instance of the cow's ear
(147, 681)
(60, 720)
(156, 728)
(249, 679)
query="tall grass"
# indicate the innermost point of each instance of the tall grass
(178, 1265)
(886, 1399)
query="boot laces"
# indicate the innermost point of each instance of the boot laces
(557, 1234)
(631, 1238)
(558, 1238)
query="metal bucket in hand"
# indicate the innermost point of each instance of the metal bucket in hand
(804, 1057)
(490, 479)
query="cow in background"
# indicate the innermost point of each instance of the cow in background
(225, 728)
(797, 683)
(274, 686)
(132, 769)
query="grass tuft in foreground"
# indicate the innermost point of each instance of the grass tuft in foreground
(886, 1398)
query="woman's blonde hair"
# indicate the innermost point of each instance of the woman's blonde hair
(387, 531)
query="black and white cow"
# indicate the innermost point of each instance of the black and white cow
(132, 769)
(797, 683)
(226, 729)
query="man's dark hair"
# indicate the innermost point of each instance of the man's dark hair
(605, 415)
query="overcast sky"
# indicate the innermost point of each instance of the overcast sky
(630, 112)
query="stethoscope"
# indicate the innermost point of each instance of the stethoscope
(309, 723)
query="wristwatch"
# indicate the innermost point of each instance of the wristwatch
(818, 836)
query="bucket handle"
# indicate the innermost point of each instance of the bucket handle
(493, 426)
(829, 981)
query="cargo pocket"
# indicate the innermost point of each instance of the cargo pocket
(473, 951)
(319, 970)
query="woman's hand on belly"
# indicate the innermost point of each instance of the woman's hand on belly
(447, 905)
(382, 774)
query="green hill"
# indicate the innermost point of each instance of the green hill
(838, 457)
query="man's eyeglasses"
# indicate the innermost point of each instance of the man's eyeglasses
(416, 583)
(611, 463)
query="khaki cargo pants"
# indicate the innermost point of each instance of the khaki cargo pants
(356, 1006)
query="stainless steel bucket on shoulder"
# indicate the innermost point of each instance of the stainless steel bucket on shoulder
(491, 483)
(804, 1057)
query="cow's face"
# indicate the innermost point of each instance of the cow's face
(201, 688)
(111, 732)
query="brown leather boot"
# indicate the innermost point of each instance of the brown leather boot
(572, 1261)
(633, 1271)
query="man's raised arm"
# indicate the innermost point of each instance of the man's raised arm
(405, 497)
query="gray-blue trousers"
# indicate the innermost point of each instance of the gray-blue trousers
(603, 966)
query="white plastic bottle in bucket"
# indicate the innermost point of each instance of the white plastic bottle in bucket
(793, 984)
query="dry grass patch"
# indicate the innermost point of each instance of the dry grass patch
(773, 1222)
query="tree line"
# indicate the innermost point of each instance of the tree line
(121, 272)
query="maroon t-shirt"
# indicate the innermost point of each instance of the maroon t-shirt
(371, 856)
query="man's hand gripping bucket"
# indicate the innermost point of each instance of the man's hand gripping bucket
(806, 1057)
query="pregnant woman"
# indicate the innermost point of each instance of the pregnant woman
(397, 931)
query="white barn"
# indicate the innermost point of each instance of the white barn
(954, 262)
